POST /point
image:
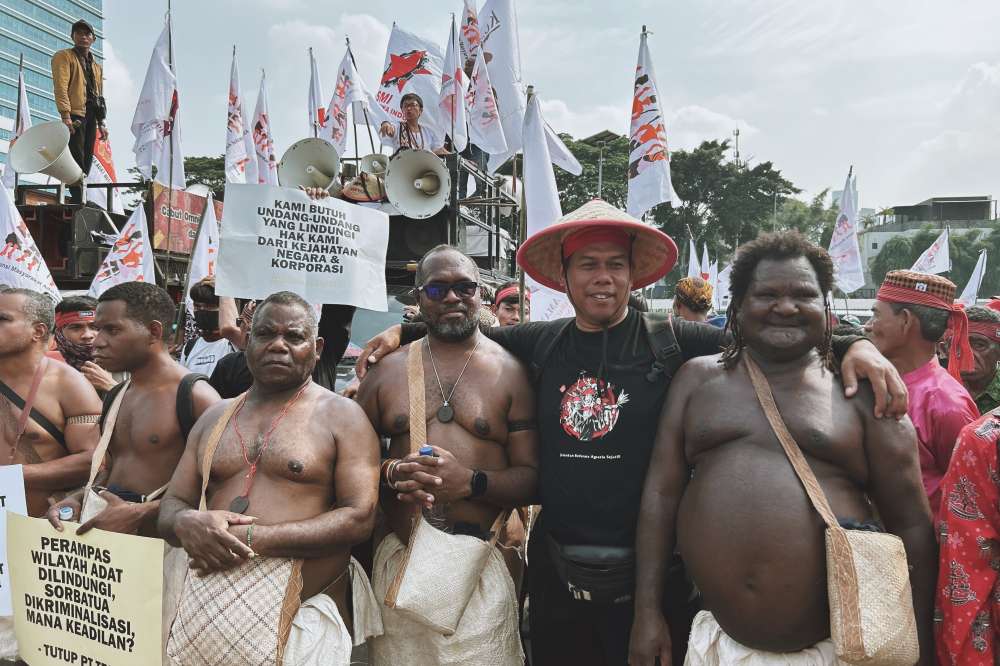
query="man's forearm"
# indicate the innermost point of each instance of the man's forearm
(512, 487)
(312, 538)
(170, 508)
(654, 546)
(922, 556)
(68, 472)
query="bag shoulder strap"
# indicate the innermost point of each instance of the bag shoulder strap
(185, 402)
(188, 346)
(109, 417)
(415, 384)
(792, 450)
(27, 408)
(213, 443)
(667, 356)
(544, 346)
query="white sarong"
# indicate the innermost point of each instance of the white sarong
(487, 634)
(710, 646)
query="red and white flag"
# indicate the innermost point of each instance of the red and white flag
(706, 266)
(249, 149)
(267, 165)
(935, 259)
(205, 252)
(485, 126)
(21, 124)
(154, 124)
(470, 38)
(694, 268)
(21, 262)
(501, 51)
(102, 170)
(649, 157)
(317, 107)
(453, 86)
(130, 259)
(348, 90)
(412, 65)
(845, 250)
(971, 291)
(542, 208)
(237, 156)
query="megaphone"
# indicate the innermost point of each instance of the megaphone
(45, 149)
(417, 183)
(376, 164)
(309, 162)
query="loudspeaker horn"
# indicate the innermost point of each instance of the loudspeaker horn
(376, 164)
(45, 149)
(417, 183)
(309, 162)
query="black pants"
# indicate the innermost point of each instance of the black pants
(480, 158)
(81, 147)
(563, 630)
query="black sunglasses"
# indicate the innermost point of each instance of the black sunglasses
(437, 291)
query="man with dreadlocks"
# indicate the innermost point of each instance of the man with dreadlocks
(750, 538)
(76, 331)
(600, 380)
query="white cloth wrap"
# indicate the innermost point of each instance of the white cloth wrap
(709, 645)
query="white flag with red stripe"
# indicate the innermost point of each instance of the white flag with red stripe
(237, 156)
(317, 104)
(935, 259)
(130, 259)
(470, 39)
(349, 89)
(485, 127)
(155, 124)
(706, 266)
(267, 165)
(453, 86)
(22, 123)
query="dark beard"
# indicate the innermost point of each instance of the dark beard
(452, 332)
(75, 354)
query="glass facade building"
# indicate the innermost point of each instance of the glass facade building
(37, 29)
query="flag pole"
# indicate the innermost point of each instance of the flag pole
(363, 109)
(17, 117)
(312, 112)
(523, 219)
(454, 86)
(170, 178)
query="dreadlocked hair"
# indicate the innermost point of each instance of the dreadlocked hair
(777, 245)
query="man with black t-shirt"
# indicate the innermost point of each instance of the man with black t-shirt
(600, 388)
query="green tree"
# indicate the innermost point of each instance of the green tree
(895, 253)
(210, 171)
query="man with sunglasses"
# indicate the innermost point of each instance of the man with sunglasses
(480, 423)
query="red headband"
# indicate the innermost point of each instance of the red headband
(994, 304)
(594, 235)
(79, 317)
(960, 354)
(507, 292)
(987, 329)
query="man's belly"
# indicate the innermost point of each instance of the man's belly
(755, 547)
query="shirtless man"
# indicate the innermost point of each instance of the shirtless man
(133, 322)
(312, 498)
(752, 541)
(481, 421)
(60, 436)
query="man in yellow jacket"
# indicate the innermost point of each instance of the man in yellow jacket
(78, 86)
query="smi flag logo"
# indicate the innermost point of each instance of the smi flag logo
(404, 67)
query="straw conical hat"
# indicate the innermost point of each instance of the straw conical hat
(653, 252)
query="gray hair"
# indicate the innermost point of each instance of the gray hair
(39, 308)
(289, 298)
(979, 313)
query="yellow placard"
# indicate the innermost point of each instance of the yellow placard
(93, 600)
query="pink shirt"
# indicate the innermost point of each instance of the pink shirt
(939, 408)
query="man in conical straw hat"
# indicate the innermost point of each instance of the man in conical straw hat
(600, 380)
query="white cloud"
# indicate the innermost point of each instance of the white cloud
(584, 123)
(692, 124)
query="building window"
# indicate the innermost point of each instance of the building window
(874, 245)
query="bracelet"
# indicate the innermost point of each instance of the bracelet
(250, 536)
(383, 479)
(392, 468)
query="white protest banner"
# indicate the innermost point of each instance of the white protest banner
(87, 601)
(11, 499)
(326, 251)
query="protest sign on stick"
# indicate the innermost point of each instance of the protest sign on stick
(326, 251)
(88, 600)
(11, 499)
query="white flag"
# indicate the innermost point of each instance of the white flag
(249, 149)
(649, 157)
(267, 166)
(22, 123)
(205, 252)
(237, 156)
(935, 259)
(412, 65)
(21, 262)
(694, 268)
(130, 259)
(845, 251)
(154, 124)
(541, 200)
(452, 102)
(502, 55)
(348, 90)
(713, 277)
(720, 297)
(317, 107)
(102, 170)
(561, 155)
(485, 127)
(705, 265)
(971, 291)
(470, 38)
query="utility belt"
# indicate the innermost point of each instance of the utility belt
(599, 574)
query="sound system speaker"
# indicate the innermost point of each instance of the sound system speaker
(63, 235)
(409, 239)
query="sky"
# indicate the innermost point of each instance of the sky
(906, 91)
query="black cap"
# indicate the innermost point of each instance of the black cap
(80, 26)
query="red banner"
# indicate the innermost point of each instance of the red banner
(178, 220)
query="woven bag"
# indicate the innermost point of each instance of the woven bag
(867, 578)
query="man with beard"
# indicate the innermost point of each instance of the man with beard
(75, 334)
(983, 381)
(287, 475)
(203, 353)
(55, 439)
(752, 541)
(480, 413)
(601, 379)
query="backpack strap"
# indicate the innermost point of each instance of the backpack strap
(667, 357)
(185, 402)
(544, 345)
